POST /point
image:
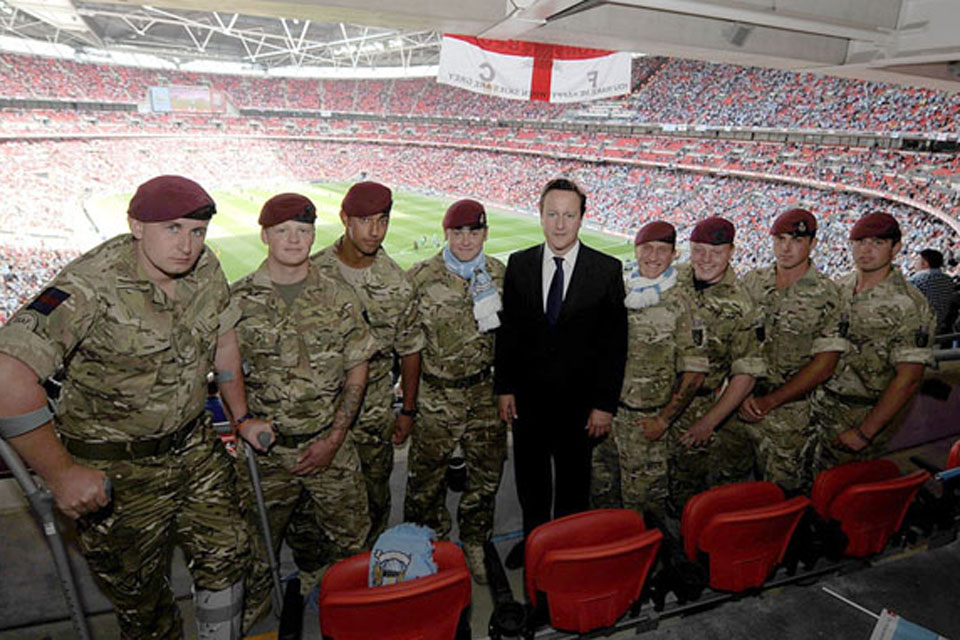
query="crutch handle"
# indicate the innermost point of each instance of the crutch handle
(264, 440)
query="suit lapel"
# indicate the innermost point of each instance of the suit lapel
(536, 271)
(578, 280)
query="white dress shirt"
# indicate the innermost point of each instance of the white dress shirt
(550, 267)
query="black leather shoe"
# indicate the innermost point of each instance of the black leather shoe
(515, 557)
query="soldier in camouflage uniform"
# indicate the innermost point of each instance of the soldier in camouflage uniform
(664, 370)
(457, 293)
(711, 448)
(889, 326)
(388, 306)
(137, 324)
(306, 347)
(800, 308)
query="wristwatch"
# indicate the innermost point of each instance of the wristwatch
(410, 413)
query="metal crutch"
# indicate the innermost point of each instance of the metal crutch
(264, 440)
(41, 501)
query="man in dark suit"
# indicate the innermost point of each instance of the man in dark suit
(560, 356)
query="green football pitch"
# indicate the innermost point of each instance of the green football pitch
(235, 235)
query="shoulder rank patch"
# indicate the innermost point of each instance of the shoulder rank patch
(49, 300)
(921, 337)
(697, 335)
(844, 325)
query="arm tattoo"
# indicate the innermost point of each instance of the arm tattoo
(681, 399)
(349, 405)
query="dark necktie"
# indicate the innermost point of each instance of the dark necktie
(555, 294)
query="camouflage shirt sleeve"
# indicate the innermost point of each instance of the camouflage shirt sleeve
(408, 337)
(228, 308)
(229, 316)
(690, 357)
(912, 341)
(359, 345)
(832, 335)
(745, 343)
(44, 333)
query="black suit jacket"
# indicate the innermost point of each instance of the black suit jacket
(578, 365)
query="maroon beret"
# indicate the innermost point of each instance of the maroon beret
(287, 206)
(465, 213)
(167, 198)
(796, 222)
(656, 231)
(715, 230)
(367, 199)
(876, 225)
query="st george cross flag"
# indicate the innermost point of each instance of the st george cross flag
(532, 70)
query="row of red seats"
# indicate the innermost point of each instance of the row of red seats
(588, 569)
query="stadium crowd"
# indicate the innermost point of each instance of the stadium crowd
(666, 90)
(916, 175)
(650, 175)
(56, 175)
(23, 270)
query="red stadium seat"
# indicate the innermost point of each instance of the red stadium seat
(829, 484)
(744, 527)
(701, 509)
(591, 566)
(427, 608)
(867, 501)
(953, 460)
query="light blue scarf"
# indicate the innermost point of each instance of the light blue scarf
(486, 300)
(645, 292)
(402, 553)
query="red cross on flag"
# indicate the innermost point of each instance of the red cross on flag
(532, 70)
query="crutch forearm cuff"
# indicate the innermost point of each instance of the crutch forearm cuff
(13, 426)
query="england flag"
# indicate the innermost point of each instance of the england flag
(532, 70)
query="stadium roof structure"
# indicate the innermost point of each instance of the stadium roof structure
(906, 41)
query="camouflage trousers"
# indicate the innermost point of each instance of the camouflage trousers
(186, 498)
(371, 436)
(337, 505)
(727, 457)
(781, 442)
(628, 470)
(448, 417)
(831, 416)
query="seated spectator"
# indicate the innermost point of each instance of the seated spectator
(938, 288)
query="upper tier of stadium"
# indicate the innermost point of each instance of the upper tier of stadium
(666, 91)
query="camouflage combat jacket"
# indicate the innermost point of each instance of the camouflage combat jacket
(890, 324)
(136, 361)
(799, 321)
(388, 306)
(453, 345)
(726, 325)
(297, 356)
(659, 347)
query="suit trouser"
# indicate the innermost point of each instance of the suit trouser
(545, 436)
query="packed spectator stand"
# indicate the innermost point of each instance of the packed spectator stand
(69, 129)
